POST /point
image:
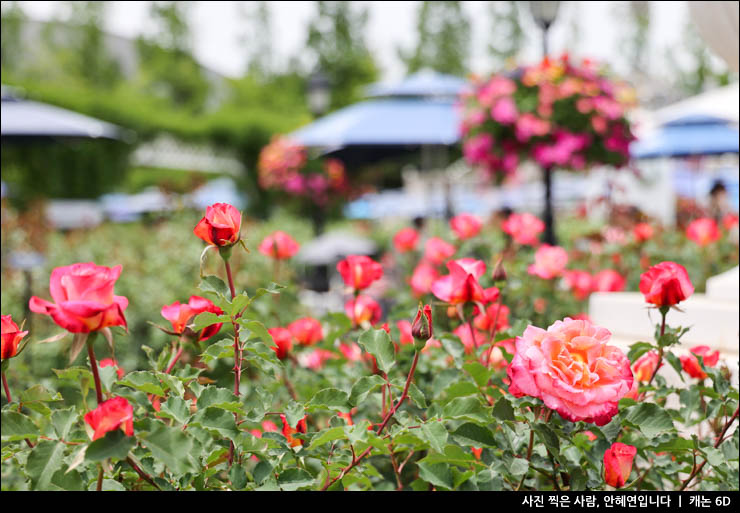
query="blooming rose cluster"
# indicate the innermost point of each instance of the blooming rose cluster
(556, 113)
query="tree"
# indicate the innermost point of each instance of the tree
(167, 65)
(506, 35)
(10, 36)
(89, 56)
(444, 39)
(257, 39)
(336, 39)
(636, 16)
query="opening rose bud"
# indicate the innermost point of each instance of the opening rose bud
(645, 366)
(283, 341)
(180, 315)
(110, 415)
(618, 464)
(359, 271)
(11, 337)
(289, 431)
(666, 284)
(691, 365)
(220, 226)
(421, 328)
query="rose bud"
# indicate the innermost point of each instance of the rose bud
(289, 431)
(465, 226)
(283, 341)
(110, 362)
(642, 232)
(691, 365)
(461, 285)
(666, 284)
(703, 231)
(11, 337)
(618, 464)
(363, 310)
(110, 415)
(279, 246)
(406, 240)
(84, 298)
(220, 226)
(306, 331)
(180, 316)
(421, 328)
(644, 367)
(359, 271)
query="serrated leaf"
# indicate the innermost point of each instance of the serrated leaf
(329, 398)
(171, 446)
(327, 435)
(503, 410)
(259, 329)
(262, 471)
(43, 462)
(473, 435)
(16, 426)
(293, 479)
(216, 419)
(219, 398)
(224, 348)
(63, 421)
(143, 381)
(115, 444)
(378, 343)
(417, 396)
(673, 360)
(479, 373)
(294, 412)
(548, 437)
(272, 288)
(205, 319)
(518, 467)
(238, 304)
(438, 474)
(453, 345)
(237, 476)
(175, 408)
(364, 386)
(71, 481)
(435, 433)
(466, 408)
(214, 285)
(638, 349)
(649, 418)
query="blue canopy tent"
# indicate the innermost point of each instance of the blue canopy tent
(688, 135)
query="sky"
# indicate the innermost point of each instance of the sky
(216, 27)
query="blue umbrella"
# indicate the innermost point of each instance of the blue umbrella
(689, 135)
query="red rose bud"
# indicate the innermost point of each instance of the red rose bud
(306, 331)
(691, 365)
(110, 362)
(644, 367)
(283, 342)
(11, 337)
(461, 285)
(110, 415)
(180, 316)
(642, 232)
(359, 271)
(618, 464)
(220, 226)
(477, 451)
(405, 240)
(421, 328)
(289, 431)
(666, 284)
(279, 246)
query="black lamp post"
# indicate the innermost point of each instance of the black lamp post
(544, 14)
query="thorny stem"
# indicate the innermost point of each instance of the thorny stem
(395, 468)
(175, 357)
(529, 455)
(141, 473)
(99, 486)
(237, 352)
(663, 313)
(720, 439)
(494, 328)
(94, 367)
(356, 460)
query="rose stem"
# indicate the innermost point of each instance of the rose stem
(720, 439)
(94, 367)
(494, 328)
(387, 418)
(237, 352)
(663, 313)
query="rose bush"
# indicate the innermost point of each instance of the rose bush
(339, 402)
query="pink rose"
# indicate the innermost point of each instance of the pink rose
(549, 262)
(572, 369)
(437, 250)
(609, 280)
(504, 111)
(279, 245)
(465, 226)
(580, 282)
(523, 228)
(84, 298)
(461, 285)
(421, 281)
(405, 240)
(703, 231)
(306, 331)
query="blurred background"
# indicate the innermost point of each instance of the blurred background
(122, 121)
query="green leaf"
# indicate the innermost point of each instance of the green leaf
(257, 328)
(205, 319)
(238, 476)
(503, 410)
(144, 381)
(649, 418)
(16, 426)
(417, 396)
(329, 399)
(214, 285)
(68, 481)
(378, 343)
(219, 398)
(364, 386)
(479, 373)
(468, 408)
(473, 435)
(548, 437)
(218, 420)
(519, 467)
(224, 348)
(638, 349)
(171, 446)
(340, 324)
(115, 444)
(175, 408)
(676, 445)
(238, 304)
(675, 363)
(63, 421)
(327, 435)
(262, 471)
(43, 462)
(461, 389)
(294, 412)
(293, 479)
(453, 345)
(435, 433)
(438, 474)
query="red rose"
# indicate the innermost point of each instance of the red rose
(363, 309)
(359, 271)
(220, 226)
(608, 280)
(461, 285)
(691, 365)
(404, 327)
(618, 464)
(406, 240)
(644, 367)
(84, 298)
(523, 228)
(11, 337)
(289, 431)
(421, 281)
(180, 315)
(110, 415)
(666, 284)
(306, 331)
(279, 246)
(465, 226)
(703, 231)
(642, 232)
(283, 341)
(437, 251)
(580, 282)
(484, 321)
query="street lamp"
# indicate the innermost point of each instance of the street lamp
(544, 14)
(319, 93)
